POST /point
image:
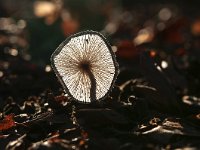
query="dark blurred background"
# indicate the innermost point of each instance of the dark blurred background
(37, 27)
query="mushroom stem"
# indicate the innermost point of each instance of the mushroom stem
(93, 86)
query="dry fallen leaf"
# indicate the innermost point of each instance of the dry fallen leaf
(7, 122)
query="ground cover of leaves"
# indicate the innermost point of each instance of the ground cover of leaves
(147, 109)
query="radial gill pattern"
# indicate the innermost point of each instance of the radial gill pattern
(86, 66)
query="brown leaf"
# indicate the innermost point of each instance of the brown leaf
(126, 49)
(7, 122)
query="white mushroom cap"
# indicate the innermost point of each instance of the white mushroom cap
(86, 66)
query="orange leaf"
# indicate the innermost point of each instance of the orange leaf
(7, 122)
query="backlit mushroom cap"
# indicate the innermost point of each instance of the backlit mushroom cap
(86, 66)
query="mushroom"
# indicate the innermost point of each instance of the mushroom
(86, 66)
